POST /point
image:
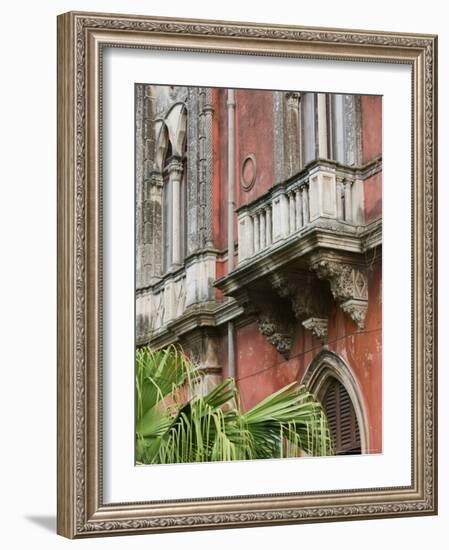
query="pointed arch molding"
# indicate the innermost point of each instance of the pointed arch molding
(327, 365)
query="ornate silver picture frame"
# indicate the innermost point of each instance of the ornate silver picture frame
(83, 510)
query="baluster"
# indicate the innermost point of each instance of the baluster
(275, 215)
(292, 213)
(256, 233)
(305, 204)
(269, 230)
(284, 215)
(348, 201)
(262, 229)
(249, 237)
(242, 237)
(299, 222)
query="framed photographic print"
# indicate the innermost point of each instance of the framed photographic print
(246, 274)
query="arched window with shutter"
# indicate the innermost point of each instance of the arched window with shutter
(342, 419)
(331, 381)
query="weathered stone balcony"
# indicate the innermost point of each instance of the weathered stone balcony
(324, 191)
(302, 246)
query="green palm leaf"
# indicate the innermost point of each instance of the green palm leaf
(173, 429)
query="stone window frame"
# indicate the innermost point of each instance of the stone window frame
(174, 142)
(326, 117)
(325, 367)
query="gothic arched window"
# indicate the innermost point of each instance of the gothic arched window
(174, 168)
(342, 419)
(331, 381)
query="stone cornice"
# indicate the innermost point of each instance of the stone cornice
(208, 314)
(348, 243)
(371, 235)
(298, 278)
(332, 235)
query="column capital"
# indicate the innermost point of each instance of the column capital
(174, 166)
(293, 98)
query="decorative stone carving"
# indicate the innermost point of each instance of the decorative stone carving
(167, 96)
(200, 170)
(308, 301)
(318, 327)
(352, 137)
(248, 172)
(175, 166)
(273, 317)
(205, 165)
(193, 209)
(277, 330)
(349, 286)
(148, 194)
(356, 309)
(304, 291)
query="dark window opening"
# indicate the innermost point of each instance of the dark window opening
(342, 419)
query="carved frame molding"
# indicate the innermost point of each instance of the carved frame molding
(81, 37)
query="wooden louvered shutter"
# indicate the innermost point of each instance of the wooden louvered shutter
(342, 419)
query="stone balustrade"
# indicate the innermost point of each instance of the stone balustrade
(325, 191)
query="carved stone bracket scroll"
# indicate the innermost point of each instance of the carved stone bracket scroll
(348, 284)
(277, 330)
(318, 327)
(308, 301)
(274, 320)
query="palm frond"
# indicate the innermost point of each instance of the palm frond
(173, 429)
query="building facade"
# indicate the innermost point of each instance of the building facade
(259, 243)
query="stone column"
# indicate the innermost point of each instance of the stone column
(322, 126)
(293, 132)
(175, 174)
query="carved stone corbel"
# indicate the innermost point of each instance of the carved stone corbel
(277, 329)
(273, 319)
(307, 299)
(348, 284)
(318, 327)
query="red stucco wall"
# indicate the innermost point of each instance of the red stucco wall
(373, 197)
(254, 133)
(371, 111)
